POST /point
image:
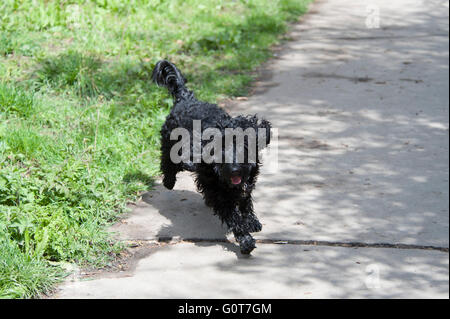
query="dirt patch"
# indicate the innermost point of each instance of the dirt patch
(125, 263)
(301, 143)
(353, 79)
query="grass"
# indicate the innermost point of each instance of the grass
(80, 120)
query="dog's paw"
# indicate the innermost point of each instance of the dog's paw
(169, 183)
(247, 244)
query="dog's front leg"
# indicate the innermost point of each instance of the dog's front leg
(236, 223)
(250, 220)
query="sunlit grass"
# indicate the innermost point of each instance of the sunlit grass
(80, 119)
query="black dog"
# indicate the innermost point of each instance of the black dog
(226, 187)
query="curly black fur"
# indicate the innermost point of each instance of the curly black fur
(231, 201)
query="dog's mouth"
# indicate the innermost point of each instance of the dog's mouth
(236, 180)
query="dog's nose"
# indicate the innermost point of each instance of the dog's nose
(235, 170)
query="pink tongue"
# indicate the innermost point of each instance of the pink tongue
(236, 180)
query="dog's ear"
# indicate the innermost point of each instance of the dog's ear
(216, 169)
(263, 127)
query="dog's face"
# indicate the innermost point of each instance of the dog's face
(235, 175)
(236, 171)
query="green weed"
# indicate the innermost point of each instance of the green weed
(80, 119)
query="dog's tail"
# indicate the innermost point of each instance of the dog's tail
(167, 74)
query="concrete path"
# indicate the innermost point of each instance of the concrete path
(362, 117)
